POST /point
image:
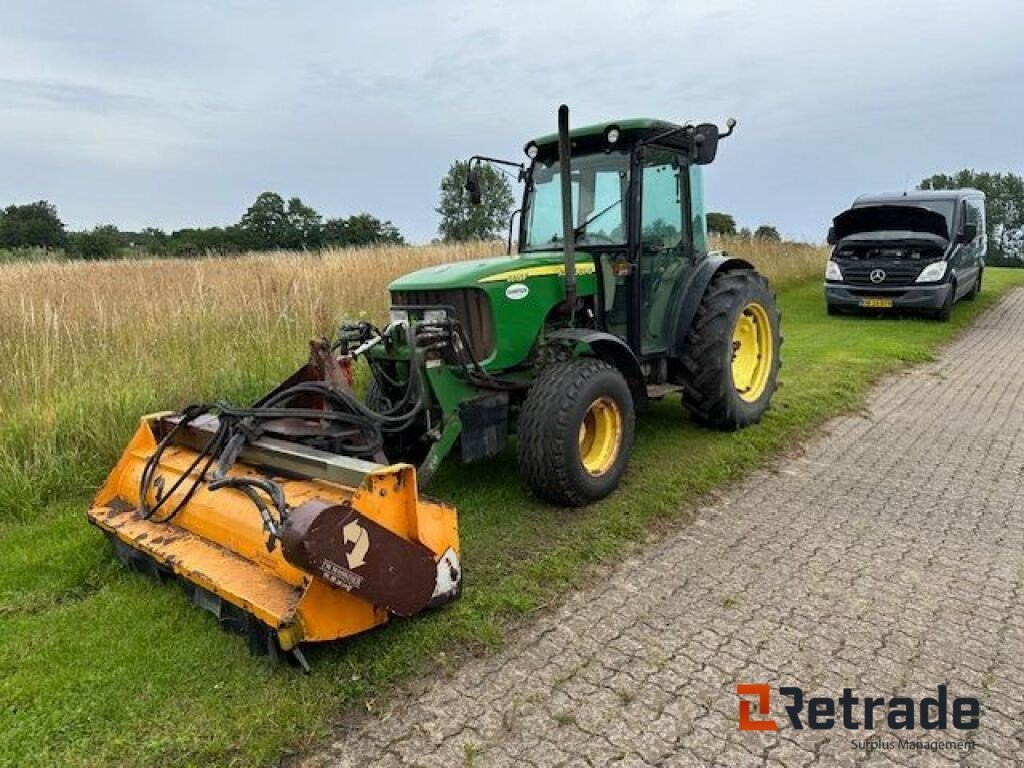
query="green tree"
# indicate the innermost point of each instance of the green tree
(194, 243)
(767, 232)
(721, 223)
(102, 242)
(266, 223)
(460, 219)
(1004, 209)
(304, 225)
(35, 225)
(360, 229)
(154, 240)
(271, 223)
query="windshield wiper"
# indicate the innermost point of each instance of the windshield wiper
(583, 227)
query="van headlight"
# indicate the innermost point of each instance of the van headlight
(832, 271)
(933, 272)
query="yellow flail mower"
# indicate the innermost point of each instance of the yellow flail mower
(268, 522)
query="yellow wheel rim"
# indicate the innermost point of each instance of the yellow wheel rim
(752, 352)
(600, 436)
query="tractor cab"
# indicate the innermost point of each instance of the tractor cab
(637, 211)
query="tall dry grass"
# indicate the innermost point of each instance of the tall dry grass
(88, 347)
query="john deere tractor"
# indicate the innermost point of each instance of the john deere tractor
(298, 518)
(612, 300)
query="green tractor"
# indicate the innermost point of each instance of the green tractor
(612, 300)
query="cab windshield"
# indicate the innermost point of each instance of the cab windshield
(599, 185)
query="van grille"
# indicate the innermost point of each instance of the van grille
(896, 273)
(471, 308)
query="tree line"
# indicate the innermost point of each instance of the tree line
(269, 223)
(272, 223)
(725, 224)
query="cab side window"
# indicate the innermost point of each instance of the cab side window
(662, 221)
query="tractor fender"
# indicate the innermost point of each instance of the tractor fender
(613, 351)
(692, 292)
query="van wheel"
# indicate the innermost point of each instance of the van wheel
(976, 289)
(731, 359)
(576, 432)
(942, 314)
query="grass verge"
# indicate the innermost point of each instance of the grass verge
(100, 666)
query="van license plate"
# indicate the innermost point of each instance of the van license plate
(876, 303)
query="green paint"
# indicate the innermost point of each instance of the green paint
(517, 322)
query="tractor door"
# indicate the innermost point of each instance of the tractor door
(665, 248)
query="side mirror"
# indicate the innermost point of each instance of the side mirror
(968, 233)
(705, 143)
(473, 185)
(830, 238)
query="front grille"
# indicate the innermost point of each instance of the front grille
(470, 306)
(896, 272)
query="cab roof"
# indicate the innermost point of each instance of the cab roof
(631, 129)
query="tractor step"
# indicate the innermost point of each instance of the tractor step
(658, 391)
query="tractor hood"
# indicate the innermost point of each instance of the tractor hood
(889, 218)
(501, 269)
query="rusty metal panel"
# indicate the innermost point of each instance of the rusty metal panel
(231, 577)
(352, 552)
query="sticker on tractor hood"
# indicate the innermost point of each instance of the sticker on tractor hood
(545, 270)
(517, 291)
(890, 218)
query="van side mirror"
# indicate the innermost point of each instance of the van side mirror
(473, 185)
(968, 232)
(830, 238)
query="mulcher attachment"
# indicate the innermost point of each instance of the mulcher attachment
(282, 541)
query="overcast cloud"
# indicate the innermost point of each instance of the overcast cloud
(176, 114)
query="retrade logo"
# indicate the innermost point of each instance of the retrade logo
(822, 713)
(877, 276)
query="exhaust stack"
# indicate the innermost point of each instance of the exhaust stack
(568, 236)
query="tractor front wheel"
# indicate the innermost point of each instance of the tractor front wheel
(576, 432)
(731, 361)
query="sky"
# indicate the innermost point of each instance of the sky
(176, 114)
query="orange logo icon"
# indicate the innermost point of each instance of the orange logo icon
(761, 691)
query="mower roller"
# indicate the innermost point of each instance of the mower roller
(298, 519)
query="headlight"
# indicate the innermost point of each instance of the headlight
(532, 150)
(933, 272)
(399, 316)
(434, 315)
(832, 271)
(612, 134)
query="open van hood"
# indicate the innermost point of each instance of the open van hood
(889, 218)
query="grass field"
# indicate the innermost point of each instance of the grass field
(100, 666)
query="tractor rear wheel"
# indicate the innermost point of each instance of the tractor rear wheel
(576, 432)
(731, 360)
